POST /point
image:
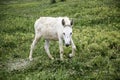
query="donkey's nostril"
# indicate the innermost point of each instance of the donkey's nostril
(67, 45)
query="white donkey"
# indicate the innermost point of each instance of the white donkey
(50, 28)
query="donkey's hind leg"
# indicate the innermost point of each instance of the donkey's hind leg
(36, 39)
(46, 46)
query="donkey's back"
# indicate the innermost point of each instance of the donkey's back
(47, 21)
(51, 21)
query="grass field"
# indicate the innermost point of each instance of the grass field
(96, 34)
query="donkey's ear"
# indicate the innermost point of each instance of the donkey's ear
(63, 22)
(71, 22)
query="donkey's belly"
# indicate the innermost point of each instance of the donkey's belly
(50, 35)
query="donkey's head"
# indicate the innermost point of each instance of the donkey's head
(67, 31)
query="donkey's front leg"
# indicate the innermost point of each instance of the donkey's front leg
(73, 49)
(61, 48)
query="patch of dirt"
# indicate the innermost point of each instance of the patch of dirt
(18, 64)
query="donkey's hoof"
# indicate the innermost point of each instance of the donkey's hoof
(52, 58)
(71, 55)
(61, 59)
(31, 59)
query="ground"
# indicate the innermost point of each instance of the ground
(96, 33)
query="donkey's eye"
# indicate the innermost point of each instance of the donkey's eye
(70, 33)
(63, 33)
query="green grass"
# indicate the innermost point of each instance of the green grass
(96, 33)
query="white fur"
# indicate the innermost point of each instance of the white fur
(51, 28)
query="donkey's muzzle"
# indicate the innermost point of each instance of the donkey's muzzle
(67, 45)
